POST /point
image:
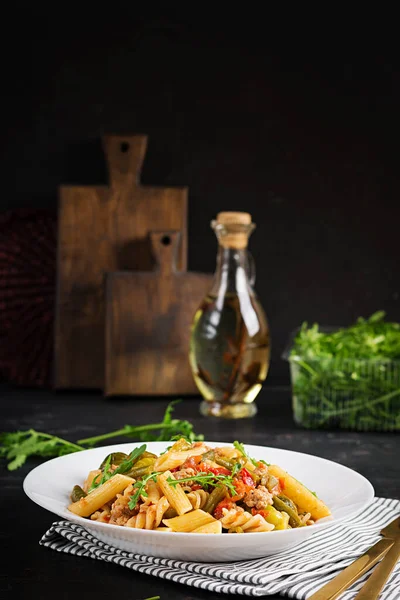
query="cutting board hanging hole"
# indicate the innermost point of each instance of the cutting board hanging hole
(125, 159)
(165, 246)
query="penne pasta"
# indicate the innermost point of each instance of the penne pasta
(296, 491)
(189, 521)
(175, 495)
(214, 527)
(100, 496)
(171, 460)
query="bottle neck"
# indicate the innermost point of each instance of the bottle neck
(232, 278)
(232, 272)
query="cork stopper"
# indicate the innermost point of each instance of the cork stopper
(234, 218)
(233, 229)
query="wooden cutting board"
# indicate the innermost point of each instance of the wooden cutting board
(102, 229)
(148, 319)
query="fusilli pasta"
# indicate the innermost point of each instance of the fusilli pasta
(149, 515)
(102, 515)
(237, 520)
(198, 498)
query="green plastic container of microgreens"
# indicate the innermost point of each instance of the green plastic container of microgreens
(348, 377)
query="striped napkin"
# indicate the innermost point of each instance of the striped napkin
(292, 573)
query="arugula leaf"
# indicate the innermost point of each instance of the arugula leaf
(124, 467)
(127, 464)
(140, 488)
(18, 446)
(107, 474)
(167, 428)
(206, 479)
(242, 450)
(348, 377)
(236, 468)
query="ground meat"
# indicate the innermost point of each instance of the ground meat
(120, 511)
(262, 472)
(184, 473)
(259, 498)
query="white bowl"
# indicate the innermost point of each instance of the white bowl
(342, 489)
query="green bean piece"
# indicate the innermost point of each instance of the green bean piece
(141, 467)
(224, 462)
(230, 463)
(77, 493)
(138, 473)
(219, 493)
(288, 501)
(281, 504)
(116, 458)
(170, 513)
(276, 517)
(148, 455)
(210, 455)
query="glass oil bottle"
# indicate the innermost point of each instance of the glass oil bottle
(230, 343)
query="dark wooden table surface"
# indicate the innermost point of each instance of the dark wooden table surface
(29, 570)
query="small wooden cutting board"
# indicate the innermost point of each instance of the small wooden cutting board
(148, 320)
(103, 229)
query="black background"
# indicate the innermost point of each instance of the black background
(300, 130)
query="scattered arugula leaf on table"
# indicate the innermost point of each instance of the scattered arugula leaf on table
(16, 447)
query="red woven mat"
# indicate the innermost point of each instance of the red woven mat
(28, 247)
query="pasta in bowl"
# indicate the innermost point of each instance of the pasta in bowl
(193, 488)
(166, 499)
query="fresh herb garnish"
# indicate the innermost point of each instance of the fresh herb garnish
(140, 488)
(105, 476)
(18, 446)
(124, 467)
(127, 464)
(349, 377)
(206, 479)
(235, 469)
(242, 450)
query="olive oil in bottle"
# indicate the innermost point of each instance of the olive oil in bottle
(229, 345)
